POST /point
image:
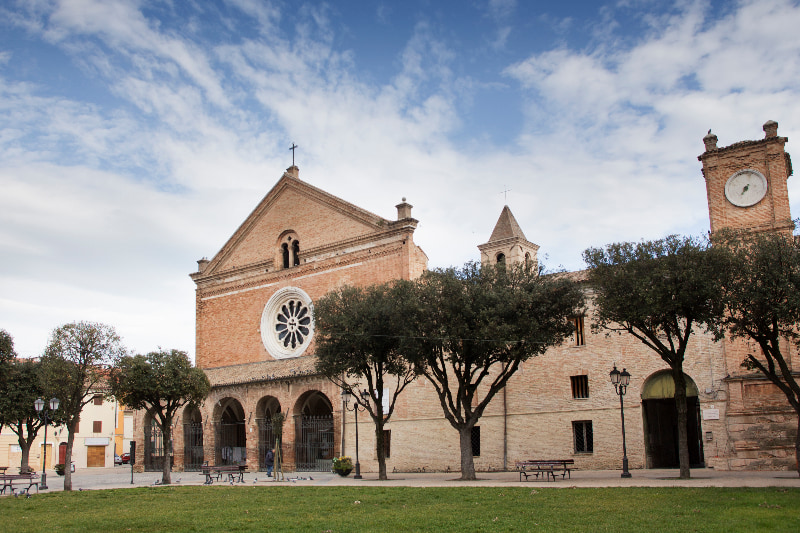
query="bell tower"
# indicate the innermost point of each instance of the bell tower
(508, 244)
(746, 183)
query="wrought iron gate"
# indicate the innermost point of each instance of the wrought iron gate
(230, 449)
(154, 448)
(192, 446)
(314, 443)
(266, 440)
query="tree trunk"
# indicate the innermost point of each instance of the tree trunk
(68, 457)
(797, 446)
(24, 464)
(467, 464)
(683, 434)
(380, 450)
(166, 433)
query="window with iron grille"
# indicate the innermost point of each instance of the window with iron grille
(580, 386)
(583, 436)
(476, 441)
(97, 426)
(577, 322)
(387, 442)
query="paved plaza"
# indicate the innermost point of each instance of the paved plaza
(120, 477)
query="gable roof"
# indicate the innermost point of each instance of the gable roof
(290, 182)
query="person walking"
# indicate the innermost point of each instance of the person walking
(269, 461)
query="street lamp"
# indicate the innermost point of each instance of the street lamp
(42, 413)
(346, 397)
(621, 381)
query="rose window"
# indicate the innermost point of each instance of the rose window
(293, 324)
(287, 323)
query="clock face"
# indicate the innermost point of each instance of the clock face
(746, 187)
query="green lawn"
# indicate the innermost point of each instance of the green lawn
(340, 509)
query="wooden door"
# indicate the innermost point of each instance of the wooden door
(49, 464)
(95, 456)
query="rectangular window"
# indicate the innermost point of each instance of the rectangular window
(78, 426)
(97, 426)
(583, 436)
(98, 399)
(577, 322)
(580, 386)
(476, 441)
(387, 443)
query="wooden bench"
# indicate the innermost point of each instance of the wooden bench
(549, 469)
(234, 473)
(31, 479)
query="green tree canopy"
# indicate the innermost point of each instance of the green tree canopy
(660, 292)
(20, 389)
(75, 365)
(359, 344)
(160, 382)
(761, 294)
(472, 327)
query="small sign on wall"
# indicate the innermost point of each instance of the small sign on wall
(710, 414)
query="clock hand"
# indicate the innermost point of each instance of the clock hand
(745, 188)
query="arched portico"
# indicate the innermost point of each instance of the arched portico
(193, 455)
(155, 449)
(230, 436)
(314, 434)
(266, 407)
(661, 421)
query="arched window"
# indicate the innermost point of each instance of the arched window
(285, 248)
(296, 253)
(501, 258)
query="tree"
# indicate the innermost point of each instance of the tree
(7, 356)
(74, 368)
(359, 338)
(660, 292)
(471, 329)
(160, 382)
(20, 386)
(761, 295)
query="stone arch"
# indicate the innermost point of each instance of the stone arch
(500, 258)
(288, 249)
(193, 455)
(314, 433)
(230, 442)
(265, 408)
(155, 449)
(660, 418)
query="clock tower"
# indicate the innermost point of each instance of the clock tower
(746, 183)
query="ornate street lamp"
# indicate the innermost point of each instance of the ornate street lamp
(39, 405)
(621, 381)
(346, 397)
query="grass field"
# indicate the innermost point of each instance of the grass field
(343, 509)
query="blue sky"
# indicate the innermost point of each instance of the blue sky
(135, 136)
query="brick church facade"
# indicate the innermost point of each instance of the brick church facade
(255, 341)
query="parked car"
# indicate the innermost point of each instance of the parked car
(126, 458)
(117, 460)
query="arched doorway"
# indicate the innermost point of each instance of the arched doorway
(154, 446)
(661, 422)
(192, 439)
(267, 406)
(231, 437)
(313, 422)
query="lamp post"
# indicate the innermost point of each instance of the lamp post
(346, 397)
(621, 381)
(41, 411)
